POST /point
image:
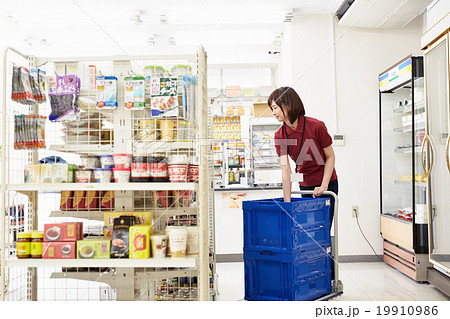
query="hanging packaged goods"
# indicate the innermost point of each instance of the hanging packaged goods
(28, 87)
(107, 92)
(164, 95)
(135, 93)
(64, 92)
(29, 132)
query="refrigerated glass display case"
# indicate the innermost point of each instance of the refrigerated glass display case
(403, 181)
(436, 144)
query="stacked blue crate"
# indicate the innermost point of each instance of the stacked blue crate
(287, 249)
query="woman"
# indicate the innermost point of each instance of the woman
(307, 142)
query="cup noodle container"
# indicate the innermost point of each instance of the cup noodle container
(193, 169)
(83, 176)
(178, 241)
(178, 167)
(121, 175)
(107, 161)
(122, 160)
(193, 239)
(103, 175)
(159, 245)
(90, 162)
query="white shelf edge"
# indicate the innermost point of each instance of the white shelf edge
(186, 262)
(81, 149)
(99, 215)
(100, 186)
(420, 184)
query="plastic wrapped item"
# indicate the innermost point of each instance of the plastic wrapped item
(134, 93)
(164, 93)
(64, 92)
(28, 85)
(107, 92)
(29, 131)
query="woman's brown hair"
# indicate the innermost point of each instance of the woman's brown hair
(289, 102)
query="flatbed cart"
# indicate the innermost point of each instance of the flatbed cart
(336, 285)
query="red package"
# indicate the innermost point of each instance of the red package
(91, 200)
(58, 250)
(66, 200)
(63, 232)
(107, 202)
(78, 200)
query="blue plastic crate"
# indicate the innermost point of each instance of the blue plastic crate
(287, 276)
(289, 266)
(275, 225)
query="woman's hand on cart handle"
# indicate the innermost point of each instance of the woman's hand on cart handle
(318, 191)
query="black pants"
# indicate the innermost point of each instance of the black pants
(333, 187)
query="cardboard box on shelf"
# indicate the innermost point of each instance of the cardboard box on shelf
(261, 109)
(58, 250)
(63, 232)
(94, 248)
(120, 242)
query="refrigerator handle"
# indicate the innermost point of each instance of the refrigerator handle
(426, 140)
(446, 153)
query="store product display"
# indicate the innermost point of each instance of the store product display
(64, 92)
(132, 237)
(134, 92)
(107, 92)
(28, 86)
(29, 132)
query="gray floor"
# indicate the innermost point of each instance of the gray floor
(373, 281)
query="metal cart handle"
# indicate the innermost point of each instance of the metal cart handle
(337, 285)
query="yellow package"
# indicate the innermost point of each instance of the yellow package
(142, 218)
(140, 242)
(96, 248)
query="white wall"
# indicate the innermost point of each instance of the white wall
(361, 54)
(435, 11)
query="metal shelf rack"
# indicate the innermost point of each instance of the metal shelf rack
(24, 279)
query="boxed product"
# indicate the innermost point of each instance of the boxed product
(32, 173)
(58, 250)
(63, 173)
(121, 236)
(94, 247)
(46, 173)
(140, 241)
(63, 231)
(141, 218)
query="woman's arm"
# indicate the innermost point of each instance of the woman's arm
(286, 177)
(328, 171)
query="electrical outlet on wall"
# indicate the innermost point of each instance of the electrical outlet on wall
(355, 211)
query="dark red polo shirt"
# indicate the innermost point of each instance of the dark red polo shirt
(311, 163)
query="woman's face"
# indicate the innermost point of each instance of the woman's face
(277, 112)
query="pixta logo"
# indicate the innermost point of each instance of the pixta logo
(308, 148)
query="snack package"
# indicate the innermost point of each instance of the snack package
(164, 96)
(106, 92)
(129, 94)
(140, 242)
(135, 93)
(107, 202)
(64, 92)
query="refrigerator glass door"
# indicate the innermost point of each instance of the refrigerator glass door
(437, 98)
